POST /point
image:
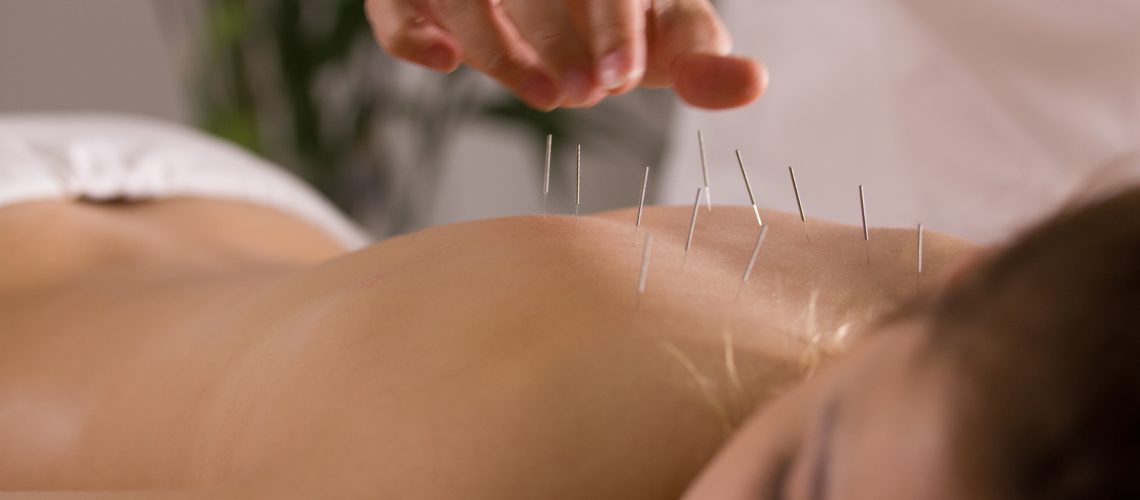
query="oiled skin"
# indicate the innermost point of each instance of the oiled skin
(197, 348)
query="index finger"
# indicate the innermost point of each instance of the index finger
(615, 33)
(492, 45)
(406, 33)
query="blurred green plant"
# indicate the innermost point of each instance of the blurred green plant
(302, 83)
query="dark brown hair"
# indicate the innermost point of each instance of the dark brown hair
(1046, 337)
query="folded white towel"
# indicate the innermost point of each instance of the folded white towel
(103, 157)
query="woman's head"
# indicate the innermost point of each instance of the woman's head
(1020, 380)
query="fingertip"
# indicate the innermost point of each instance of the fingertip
(578, 85)
(763, 70)
(541, 91)
(718, 82)
(440, 57)
(595, 98)
(620, 70)
(425, 45)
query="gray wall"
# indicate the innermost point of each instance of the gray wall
(84, 55)
(974, 116)
(130, 56)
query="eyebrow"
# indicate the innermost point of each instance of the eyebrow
(819, 476)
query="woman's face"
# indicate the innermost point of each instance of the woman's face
(873, 426)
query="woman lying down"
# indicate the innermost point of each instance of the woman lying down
(198, 347)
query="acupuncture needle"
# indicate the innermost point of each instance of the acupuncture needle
(751, 262)
(704, 168)
(641, 204)
(546, 173)
(755, 252)
(799, 202)
(693, 221)
(866, 232)
(644, 275)
(578, 191)
(748, 186)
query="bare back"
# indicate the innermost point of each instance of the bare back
(507, 358)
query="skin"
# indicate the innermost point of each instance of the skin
(574, 53)
(193, 348)
(873, 426)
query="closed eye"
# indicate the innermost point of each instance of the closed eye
(776, 486)
(819, 476)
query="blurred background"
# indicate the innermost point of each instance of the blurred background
(303, 84)
(972, 116)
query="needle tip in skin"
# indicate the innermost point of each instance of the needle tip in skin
(748, 187)
(704, 168)
(755, 253)
(693, 221)
(644, 274)
(799, 202)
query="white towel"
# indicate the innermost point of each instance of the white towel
(104, 157)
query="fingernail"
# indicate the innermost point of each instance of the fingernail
(540, 90)
(614, 69)
(578, 84)
(439, 58)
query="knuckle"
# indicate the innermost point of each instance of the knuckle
(701, 16)
(494, 63)
(396, 33)
(550, 41)
(613, 24)
(445, 8)
(451, 9)
(408, 25)
(509, 66)
(548, 37)
(505, 62)
(398, 42)
(697, 22)
(614, 32)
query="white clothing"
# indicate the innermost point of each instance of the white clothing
(102, 157)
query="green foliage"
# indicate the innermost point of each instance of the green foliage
(302, 83)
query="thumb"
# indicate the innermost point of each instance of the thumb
(687, 27)
(689, 49)
(718, 82)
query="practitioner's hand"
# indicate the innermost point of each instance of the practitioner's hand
(574, 53)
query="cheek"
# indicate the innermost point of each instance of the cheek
(734, 474)
(905, 472)
(740, 469)
(895, 446)
(922, 456)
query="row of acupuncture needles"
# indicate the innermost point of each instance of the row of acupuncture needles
(577, 180)
(705, 192)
